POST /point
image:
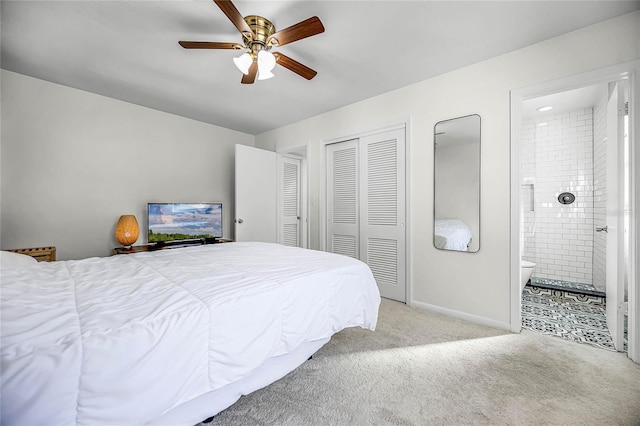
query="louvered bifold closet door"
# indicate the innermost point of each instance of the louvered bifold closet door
(382, 214)
(342, 198)
(289, 205)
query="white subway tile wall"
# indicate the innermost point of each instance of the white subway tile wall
(556, 157)
(599, 190)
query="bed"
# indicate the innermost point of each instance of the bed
(452, 234)
(171, 336)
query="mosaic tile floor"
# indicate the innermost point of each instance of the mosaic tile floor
(571, 316)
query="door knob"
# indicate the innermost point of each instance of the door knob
(239, 221)
(602, 229)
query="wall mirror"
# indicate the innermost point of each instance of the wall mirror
(457, 184)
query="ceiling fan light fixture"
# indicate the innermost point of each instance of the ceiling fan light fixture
(266, 61)
(243, 62)
(265, 75)
(259, 35)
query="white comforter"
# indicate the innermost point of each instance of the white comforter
(121, 340)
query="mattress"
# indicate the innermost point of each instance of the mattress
(125, 339)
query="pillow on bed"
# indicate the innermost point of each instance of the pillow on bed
(11, 260)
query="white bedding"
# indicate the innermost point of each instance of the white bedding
(452, 234)
(122, 340)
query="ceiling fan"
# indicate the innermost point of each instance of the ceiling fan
(259, 35)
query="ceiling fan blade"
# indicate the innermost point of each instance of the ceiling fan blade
(307, 28)
(251, 77)
(295, 66)
(234, 16)
(209, 45)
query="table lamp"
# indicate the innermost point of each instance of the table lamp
(127, 230)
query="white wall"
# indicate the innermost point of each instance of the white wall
(474, 285)
(73, 162)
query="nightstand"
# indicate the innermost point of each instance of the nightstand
(41, 254)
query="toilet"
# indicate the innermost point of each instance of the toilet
(526, 269)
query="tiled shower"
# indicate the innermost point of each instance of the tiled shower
(565, 153)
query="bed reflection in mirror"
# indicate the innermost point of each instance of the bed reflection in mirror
(457, 184)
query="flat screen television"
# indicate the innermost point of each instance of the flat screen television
(183, 221)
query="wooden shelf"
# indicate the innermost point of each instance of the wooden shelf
(41, 254)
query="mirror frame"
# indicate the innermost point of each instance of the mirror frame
(475, 235)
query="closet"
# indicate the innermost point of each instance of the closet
(366, 206)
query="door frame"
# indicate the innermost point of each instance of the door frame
(322, 188)
(615, 236)
(629, 71)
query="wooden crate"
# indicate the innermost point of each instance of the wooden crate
(41, 254)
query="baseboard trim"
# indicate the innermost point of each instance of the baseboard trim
(461, 315)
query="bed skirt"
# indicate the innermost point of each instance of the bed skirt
(211, 403)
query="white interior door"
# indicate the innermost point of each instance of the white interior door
(382, 213)
(289, 201)
(256, 195)
(615, 217)
(343, 232)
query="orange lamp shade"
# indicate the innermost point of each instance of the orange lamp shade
(127, 230)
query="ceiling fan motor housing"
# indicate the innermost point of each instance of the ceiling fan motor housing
(262, 29)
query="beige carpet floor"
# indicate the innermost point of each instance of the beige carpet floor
(420, 368)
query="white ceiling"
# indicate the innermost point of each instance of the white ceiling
(570, 100)
(129, 50)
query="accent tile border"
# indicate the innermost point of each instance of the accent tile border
(575, 287)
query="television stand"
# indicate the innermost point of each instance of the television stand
(168, 245)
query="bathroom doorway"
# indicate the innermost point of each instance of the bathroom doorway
(571, 188)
